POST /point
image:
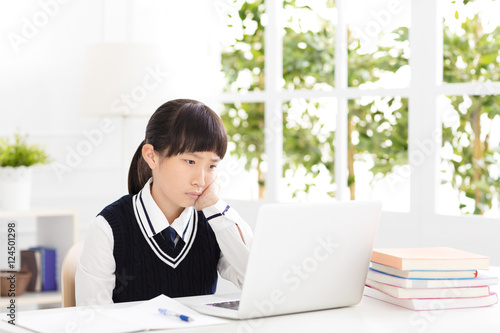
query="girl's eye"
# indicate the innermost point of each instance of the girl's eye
(190, 161)
(213, 167)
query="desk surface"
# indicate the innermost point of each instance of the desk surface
(368, 316)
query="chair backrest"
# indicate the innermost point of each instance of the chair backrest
(68, 274)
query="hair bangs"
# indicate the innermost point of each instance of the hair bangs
(198, 128)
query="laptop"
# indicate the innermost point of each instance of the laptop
(304, 257)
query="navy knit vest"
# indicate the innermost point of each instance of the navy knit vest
(140, 274)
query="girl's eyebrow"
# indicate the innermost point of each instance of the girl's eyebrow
(216, 159)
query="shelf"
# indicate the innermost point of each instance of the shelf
(34, 298)
(53, 227)
(37, 212)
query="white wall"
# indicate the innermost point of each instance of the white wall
(42, 50)
(41, 73)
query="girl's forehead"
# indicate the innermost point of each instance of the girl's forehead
(210, 155)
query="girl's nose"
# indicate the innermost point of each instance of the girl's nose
(199, 178)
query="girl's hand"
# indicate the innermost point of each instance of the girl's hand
(209, 197)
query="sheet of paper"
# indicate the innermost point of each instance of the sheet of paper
(148, 315)
(142, 317)
(82, 320)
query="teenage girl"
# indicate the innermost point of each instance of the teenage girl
(172, 233)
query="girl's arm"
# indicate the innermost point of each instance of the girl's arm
(234, 237)
(95, 279)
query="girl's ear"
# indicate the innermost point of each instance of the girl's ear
(150, 156)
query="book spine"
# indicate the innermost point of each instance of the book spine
(48, 268)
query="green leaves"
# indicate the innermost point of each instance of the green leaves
(475, 158)
(19, 153)
(244, 123)
(381, 134)
(472, 56)
(378, 128)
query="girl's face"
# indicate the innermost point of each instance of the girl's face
(179, 180)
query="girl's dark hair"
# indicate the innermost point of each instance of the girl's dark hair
(178, 126)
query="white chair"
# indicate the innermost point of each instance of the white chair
(68, 274)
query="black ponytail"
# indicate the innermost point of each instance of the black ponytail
(139, 171)
(178, 126)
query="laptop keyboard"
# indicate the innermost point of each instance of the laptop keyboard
(233, 305)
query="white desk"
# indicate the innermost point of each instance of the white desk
(368, 316)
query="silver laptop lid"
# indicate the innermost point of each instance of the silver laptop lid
(308, 256)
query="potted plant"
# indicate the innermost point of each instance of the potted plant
(16, 159)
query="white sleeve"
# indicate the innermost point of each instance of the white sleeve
(234, 237)
(95, 278)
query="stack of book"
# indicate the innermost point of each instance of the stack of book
(430, 278)
(41, 262)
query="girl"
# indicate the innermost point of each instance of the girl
(172, 233)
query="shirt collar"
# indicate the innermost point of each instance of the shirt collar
(153, 219)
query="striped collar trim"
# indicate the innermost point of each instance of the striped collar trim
(153, 218)
(141, 215)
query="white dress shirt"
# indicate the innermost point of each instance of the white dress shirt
(95, 278)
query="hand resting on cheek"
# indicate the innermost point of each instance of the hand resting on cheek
(209, 197)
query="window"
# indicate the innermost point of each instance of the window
(346, 116)
(308, 149)
(243, 61)
(377, 127)
(470, 155)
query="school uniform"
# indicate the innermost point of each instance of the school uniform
(128, 254)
